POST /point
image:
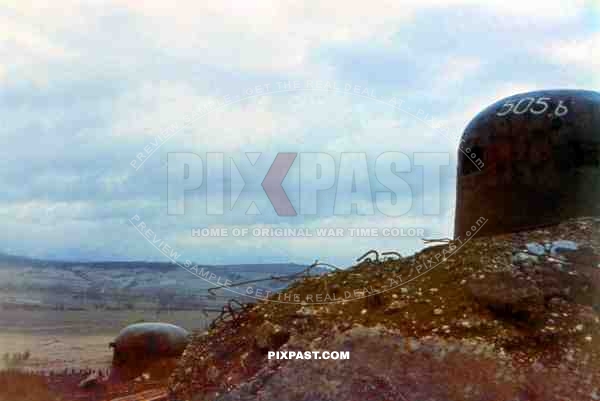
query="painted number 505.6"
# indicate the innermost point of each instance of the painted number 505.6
(533, 106)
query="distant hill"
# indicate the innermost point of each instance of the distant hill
(269, 268)
(121, 283)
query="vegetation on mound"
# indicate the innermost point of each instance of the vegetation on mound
(14, 359)
(529, 309)
(22, 386)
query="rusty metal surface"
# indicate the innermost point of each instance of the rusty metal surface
(530, 160)
(149, 340)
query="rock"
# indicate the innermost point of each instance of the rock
(536, 249)
(89, 381)
(395, 306)
(270, 337)
(438, 311)
(506, 295)
(562, 246)
(212, 373)
(305, 311)
(522, 258)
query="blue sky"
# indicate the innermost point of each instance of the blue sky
(85, 86)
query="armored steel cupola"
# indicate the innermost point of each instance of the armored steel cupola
(530, 160)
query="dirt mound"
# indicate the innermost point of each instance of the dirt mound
(503, 318)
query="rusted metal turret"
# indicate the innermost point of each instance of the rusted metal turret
(530, 160)
(148, 340)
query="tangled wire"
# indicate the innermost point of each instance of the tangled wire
(231, 312)
(391, 255)
(371, 257)
(234, 308)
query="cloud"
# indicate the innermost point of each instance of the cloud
(86, 86)
(270, 36)
(147, 111)
(578, 53)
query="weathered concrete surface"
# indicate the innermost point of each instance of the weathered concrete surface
(536, 168)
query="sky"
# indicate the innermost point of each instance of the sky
(87, 86)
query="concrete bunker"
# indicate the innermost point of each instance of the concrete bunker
(141, 342)
(530, 160)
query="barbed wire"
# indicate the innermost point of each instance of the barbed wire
(394, 253)
(229, 312)
(369, 260)
(429, 240)
(287, 277)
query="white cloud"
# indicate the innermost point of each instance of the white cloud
(576, 53)
(538, 9)
(24, 48)
(455, 122)
(263, 35)
(107, 59)
(456, 71)
(148, 111)
(275, 35)
(43, 212)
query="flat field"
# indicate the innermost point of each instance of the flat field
(76, 339)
